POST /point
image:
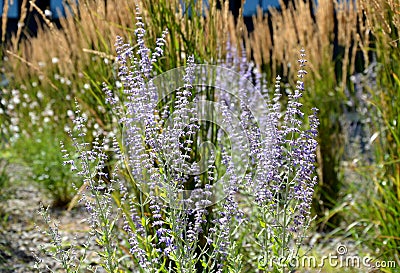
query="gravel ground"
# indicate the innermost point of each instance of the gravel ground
(20, 237)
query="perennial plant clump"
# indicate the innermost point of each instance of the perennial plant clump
(204, 178)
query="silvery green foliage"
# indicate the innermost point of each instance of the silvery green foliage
(163, 210)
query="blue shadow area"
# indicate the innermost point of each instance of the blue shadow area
(250, 6)
(13, 9)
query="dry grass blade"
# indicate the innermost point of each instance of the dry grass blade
(16, 38)
(29, 64)
(4, 20)
(45, 19)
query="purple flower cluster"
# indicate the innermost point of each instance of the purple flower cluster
(285, 179)
(94, 193)
(156, 152)
(168, 217)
